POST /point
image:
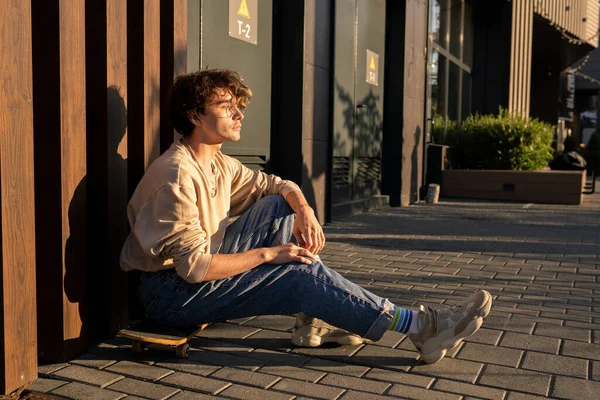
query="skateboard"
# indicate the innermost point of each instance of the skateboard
(145, 332)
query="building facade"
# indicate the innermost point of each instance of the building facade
(347, 95)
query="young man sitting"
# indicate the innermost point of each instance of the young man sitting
(199, 269)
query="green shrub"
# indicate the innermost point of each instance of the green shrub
(444, 131)
(505, 141)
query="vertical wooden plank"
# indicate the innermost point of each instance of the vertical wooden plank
(60, 170)
(518, 5)
(523, 5)
(151, 81)
(18, 345)
(529, 50)
(592, 22)
(580, 25)
(565, 15)
(116, 115)
(106, 39)
(73, 144)
(513, 67)
(173, 59)
(143, 101)
(180, 27)
(572, 16)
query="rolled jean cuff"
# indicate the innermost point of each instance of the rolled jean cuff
(382, 322)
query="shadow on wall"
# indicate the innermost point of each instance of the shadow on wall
(360, 139)
(97, 229)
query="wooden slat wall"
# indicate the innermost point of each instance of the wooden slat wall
(18, 344)
(520, 61)
(80, 122)
(555, 11)
(60, 170)
(571, 18)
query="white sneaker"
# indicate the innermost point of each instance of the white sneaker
(312, 332)
(443, 328)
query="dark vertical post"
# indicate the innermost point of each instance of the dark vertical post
(173, 59)
(393, 102)
(492, 23)
(18, 344)
(317, 120)
(106, 61)
(287, 86)
(143, 87)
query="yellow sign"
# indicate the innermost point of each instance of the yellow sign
(372, 64)
(372, 67)
(243, 20)
(243, 10)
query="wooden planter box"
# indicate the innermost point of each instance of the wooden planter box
(550, 187)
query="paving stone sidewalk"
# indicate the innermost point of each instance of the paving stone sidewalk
(542, 338)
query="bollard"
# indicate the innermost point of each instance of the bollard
(433, 193)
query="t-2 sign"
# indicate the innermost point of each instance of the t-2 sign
(243, 20)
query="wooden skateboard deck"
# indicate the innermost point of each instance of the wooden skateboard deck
(145, 332)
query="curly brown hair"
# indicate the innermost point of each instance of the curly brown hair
(192, 93)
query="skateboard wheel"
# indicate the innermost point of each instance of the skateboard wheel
(137, 346)
(183, 350)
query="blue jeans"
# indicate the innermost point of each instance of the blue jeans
(268, 289)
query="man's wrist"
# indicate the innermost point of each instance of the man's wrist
(304, 208)
(263, 254)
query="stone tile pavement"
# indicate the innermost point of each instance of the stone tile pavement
(542, 338)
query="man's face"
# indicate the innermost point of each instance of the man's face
(222, 120)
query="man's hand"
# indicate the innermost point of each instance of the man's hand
(307, 230)
(225, 265)
(286, 253)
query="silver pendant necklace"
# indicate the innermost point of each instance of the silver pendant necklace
(213, 190)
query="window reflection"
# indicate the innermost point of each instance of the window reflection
(450, 60)
(455, 27)
(453, 92)
(438, 84)
(438, 23)
(468, 36)
(466, 95)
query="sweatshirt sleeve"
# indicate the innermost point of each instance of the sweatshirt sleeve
(249, 186)
(168, 227)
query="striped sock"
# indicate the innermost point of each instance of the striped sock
(402, 320)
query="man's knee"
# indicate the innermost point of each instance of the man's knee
(277, 203)
(314, 269)
(274, 200)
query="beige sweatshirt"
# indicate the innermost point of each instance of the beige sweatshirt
(173, 220)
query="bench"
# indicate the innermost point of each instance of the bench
(550, 187)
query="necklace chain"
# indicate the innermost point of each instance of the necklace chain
(213, 190)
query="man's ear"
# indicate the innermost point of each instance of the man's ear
(193, 117)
